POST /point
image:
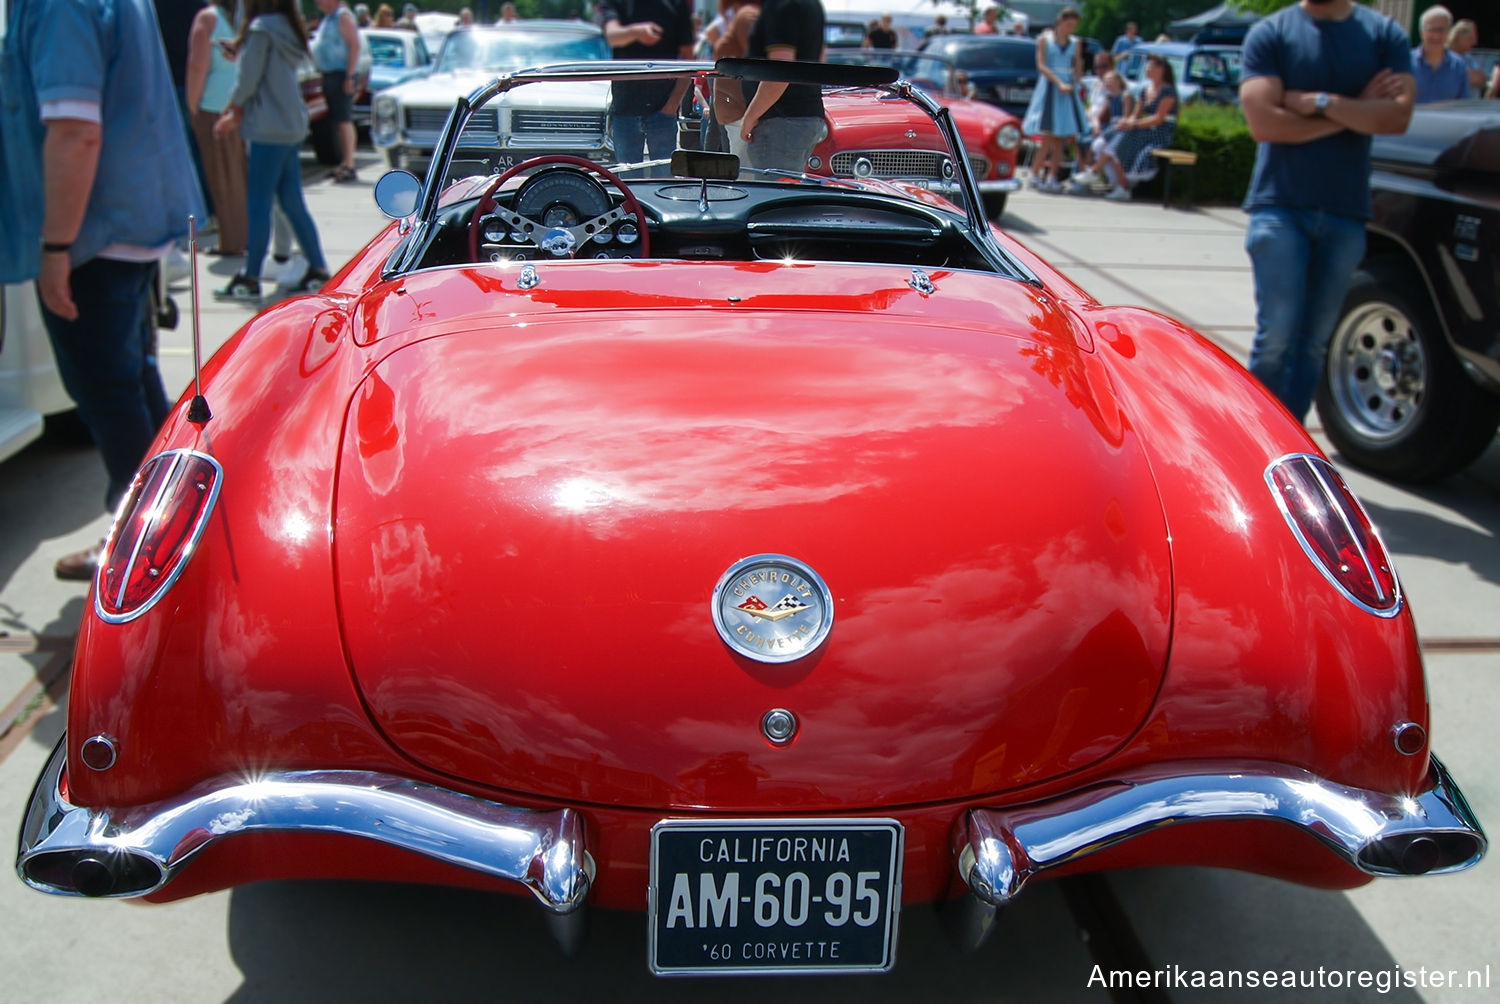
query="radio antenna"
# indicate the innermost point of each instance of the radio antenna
(198, 412)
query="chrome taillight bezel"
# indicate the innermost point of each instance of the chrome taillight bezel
(127, 508)
(1334, 488)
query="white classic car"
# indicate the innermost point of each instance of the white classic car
(30, 388)
(406, 120)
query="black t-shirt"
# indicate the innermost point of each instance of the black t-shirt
(635, 98)
(795, 23)
(175, 18)
(882, 39)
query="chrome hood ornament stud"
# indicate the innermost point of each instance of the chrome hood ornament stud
(772, 608)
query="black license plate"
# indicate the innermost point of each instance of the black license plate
(752, 897)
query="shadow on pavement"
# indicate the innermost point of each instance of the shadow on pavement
(300, 942)
(1407, 531)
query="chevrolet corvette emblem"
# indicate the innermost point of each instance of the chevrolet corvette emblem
(772, 608)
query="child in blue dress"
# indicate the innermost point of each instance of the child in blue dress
(1056, 112)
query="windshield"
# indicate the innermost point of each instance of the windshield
(502, 51)
(864, 168)
(862, 136)
(934, 75)
(1000, 56)
(387, 52)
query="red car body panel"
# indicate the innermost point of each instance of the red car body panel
(304, 663)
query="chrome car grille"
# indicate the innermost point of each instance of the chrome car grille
(980, 166)
(890, 163)
(531, 122)
(483, 126)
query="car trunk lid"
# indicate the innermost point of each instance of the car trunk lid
(533, 514)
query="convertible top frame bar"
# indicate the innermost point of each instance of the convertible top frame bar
(883, 78)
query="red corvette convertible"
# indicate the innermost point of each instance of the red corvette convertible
(764, 552)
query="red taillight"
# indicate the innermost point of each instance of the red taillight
(1333, 529)
(154, 535)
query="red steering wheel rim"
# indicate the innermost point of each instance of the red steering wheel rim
(487, 200)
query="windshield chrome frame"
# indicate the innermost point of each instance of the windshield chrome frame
(409, 251)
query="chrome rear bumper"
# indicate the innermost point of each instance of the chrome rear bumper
(74, 851)
(71, 850)
(999, 850)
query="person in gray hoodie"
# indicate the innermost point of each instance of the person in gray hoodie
(266, 105)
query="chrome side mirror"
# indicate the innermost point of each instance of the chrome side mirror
(396, 194)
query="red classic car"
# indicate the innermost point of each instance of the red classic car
(762, 551)
(864, 142)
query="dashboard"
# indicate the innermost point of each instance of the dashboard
(563, 211)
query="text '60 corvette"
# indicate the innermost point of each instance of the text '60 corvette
(762, 551)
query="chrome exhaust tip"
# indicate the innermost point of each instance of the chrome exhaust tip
(1420, 853)
(91, 873)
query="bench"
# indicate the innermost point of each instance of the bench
(1174, 158)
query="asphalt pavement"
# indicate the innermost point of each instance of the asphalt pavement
(321, 941)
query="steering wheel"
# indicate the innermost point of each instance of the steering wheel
(557, 240)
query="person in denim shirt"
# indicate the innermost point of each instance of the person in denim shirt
(88, 104)
(1319, 79)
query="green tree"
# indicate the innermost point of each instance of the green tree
(1264, 6)
(1105, 19)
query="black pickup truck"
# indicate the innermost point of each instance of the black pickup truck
(1412, 385)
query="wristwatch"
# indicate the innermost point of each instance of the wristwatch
(1320, 103)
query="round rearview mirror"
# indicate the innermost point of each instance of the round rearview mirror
(396, 194)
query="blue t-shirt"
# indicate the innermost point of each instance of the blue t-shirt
(1337, 57)
(106, 53)
(1450, 80)
(1124, 44)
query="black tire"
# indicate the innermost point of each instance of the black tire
(1394, 398)
(325, 141)
(994, 205)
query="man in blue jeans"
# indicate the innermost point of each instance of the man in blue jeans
(96, 182)
(643, 113)
(1318, 80)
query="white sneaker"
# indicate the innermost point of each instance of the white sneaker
(1052, 186)
(175, 266)
(1085, 178)
(1079, 186)
(1037, 182)
(284, 273)
(1118, 194)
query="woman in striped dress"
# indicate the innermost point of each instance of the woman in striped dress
(1128, 157)
(1056, 111)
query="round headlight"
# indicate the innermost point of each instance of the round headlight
(863, 168)
(1008, 137)
(814, 162)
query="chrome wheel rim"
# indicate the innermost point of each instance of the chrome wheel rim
(1377, 371)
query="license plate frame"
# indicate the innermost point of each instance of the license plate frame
(734, 939)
